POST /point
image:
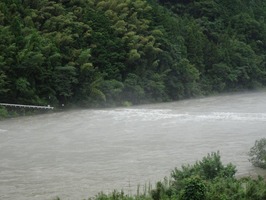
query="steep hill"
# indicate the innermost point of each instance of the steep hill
(107, 52)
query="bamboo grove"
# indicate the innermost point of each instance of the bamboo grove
(115, 52)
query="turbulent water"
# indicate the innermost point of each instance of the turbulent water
(76, 154)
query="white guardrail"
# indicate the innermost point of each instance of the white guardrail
(26, 106)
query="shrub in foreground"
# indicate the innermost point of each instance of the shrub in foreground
(258, 153)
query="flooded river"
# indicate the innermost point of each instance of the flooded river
(76, 154)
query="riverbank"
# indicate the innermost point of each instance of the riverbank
(6, 112)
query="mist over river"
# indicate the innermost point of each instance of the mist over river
(76, 154)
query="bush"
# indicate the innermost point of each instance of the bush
(209, 168)
(258, 153)
(195, 189)
(3, 113)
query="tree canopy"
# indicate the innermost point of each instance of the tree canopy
(105, 53)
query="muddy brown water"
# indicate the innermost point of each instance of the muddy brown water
(76, 154)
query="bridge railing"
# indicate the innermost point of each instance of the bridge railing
(26, 106)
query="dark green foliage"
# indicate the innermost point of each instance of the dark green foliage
(195, 181)
(241, 189)
(163, 190)
(194, 189)
(258, 153)
(3, 113)
(133, 91)
(104, 53)
(113, 91)
(209, 168)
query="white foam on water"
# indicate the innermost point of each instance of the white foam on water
(261, 117)
(1, 130)
(160, 114)
(141, 114)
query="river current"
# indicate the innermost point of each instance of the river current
(76, 154)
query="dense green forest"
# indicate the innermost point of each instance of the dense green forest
(115, 52)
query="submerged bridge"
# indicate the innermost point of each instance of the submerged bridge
(26, 106)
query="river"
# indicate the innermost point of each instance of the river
(76, 154)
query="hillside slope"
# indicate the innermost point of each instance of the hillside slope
(106, 52)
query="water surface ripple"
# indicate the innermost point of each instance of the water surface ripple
(78, 153)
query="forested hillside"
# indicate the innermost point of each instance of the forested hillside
(115, 52)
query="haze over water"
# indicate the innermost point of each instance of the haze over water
(76, 154)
